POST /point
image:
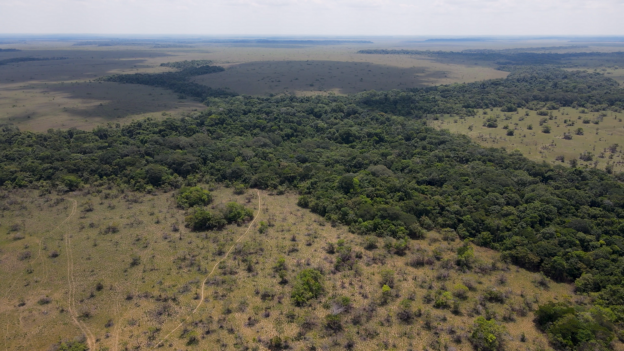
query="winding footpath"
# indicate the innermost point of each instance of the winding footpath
(201, 300)
(71, 284)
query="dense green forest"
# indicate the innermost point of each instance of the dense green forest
(177, 81)
(186, 64)
(369, 162)
(532, 88)
(513, 57)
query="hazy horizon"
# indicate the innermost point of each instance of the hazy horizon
(314, 17)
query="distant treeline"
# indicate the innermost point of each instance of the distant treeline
(9, 50)
(171, 46)
(505, 58)
(177, 81)
(183, 43)
(526, 87)
(186, 64)
(539, 48)
(288, 41)
(103, 43)
(28, 59)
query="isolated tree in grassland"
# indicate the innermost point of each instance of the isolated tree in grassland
(487, 335)
(465, 255)
(200, 219)
(308, 286)
(405, 312)
(193, 196)
(386, 294)
(235, 212)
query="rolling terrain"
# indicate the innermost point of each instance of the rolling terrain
(113, 269)
(311, 195)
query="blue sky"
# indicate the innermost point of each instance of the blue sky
(314, 17)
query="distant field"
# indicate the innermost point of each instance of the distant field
(60, 94)
(28, 88)
(305, 77)
(84, 105)
(79, 267)
(340, 70)
(256, 70)
(539, 146)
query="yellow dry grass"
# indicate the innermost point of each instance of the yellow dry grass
(539, 146)
(138, 306)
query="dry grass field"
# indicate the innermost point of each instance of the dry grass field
(110, 265)
(603, 135)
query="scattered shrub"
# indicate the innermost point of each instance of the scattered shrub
(193, 196)
(487, 335)
(308, 286)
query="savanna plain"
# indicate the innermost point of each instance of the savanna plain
(289, 194)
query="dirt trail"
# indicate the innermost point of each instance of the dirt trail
(71, 285)
(201, 300)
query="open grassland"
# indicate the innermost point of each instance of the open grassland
(600, 144)
(84, 105)
(318, 70)
(317, 77)
(58, 94)
(119, 268)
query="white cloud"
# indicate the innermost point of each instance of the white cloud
(323, 17)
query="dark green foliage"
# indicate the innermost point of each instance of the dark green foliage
(465, 255)
(333, 322)
(28, 59)
(276, 343)
(308, 286)
(344, 260)
(443, 299)
(527, 87)
(405, 312)
(281, 269)
(237, 213)
(387, 278)
(181, 65)
(71, 182)
(156, 174)
(487, 335)
(507, 58)
(386, 294)
(193, 196)
(179, 81)
(200, 219)
(71, 346)
(570, 328)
